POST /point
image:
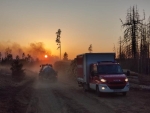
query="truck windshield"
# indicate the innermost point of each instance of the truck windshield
(110, 69)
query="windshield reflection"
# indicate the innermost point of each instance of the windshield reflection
(110, 69)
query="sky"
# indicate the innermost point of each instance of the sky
(82, 22)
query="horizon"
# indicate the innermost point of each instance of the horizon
(82, 23)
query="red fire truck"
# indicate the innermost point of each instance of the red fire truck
(100, 72)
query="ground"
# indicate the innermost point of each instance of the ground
(34, 96)
(14, 95)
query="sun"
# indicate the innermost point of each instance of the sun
(46, 56)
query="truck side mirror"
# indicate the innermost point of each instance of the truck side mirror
(128, 73)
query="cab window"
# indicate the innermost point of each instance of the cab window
(93, 69)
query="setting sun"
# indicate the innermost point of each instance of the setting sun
(46, 56)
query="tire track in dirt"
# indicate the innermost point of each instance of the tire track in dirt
(63, 98)
(68, 104)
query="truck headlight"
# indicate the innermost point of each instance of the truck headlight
(126, 79)
(103, 80)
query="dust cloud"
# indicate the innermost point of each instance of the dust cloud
(64, 77)
(36, 51)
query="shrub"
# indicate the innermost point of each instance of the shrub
(17, 71)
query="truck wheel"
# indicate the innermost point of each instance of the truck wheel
(124, 93)
(97, 91)
(85, 87)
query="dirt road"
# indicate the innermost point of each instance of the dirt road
(34, 96)
(66, 97)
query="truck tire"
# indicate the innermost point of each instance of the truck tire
(97, 91)
(124, 93)
(85, 87)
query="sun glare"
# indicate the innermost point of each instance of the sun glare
(46, 56)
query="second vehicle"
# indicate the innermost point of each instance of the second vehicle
(47, 73)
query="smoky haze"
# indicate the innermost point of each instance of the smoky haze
(35, 50)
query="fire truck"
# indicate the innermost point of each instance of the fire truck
(100, 72)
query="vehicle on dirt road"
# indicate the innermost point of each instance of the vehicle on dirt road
(47, 73)
(100, 72)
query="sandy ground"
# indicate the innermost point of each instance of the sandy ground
(15, 96)
(66, 97)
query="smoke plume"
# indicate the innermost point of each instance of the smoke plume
(35, 50)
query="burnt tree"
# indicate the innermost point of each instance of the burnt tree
(133, 28)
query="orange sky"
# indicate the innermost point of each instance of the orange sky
(82, 23)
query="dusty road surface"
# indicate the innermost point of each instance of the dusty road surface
(34, 96)
(66, 97)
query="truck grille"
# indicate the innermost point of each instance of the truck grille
(115, 82)
(116, 87)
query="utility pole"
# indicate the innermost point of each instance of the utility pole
(58, 41)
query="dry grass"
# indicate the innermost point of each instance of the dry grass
(13, 95)
(143, 79)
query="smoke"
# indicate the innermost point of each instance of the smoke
(35, 50)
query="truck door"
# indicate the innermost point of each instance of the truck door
(93, 74)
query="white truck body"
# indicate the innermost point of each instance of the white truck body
(112, 82)
(89, 58)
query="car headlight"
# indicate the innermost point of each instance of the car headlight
(103, 80)
(126, 79)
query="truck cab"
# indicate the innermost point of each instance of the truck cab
(108, 77)
(100, 72)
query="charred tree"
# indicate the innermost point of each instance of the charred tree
(148, 43)
(144, 43)
(58, 33)
(131, 33)
(90, 48)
